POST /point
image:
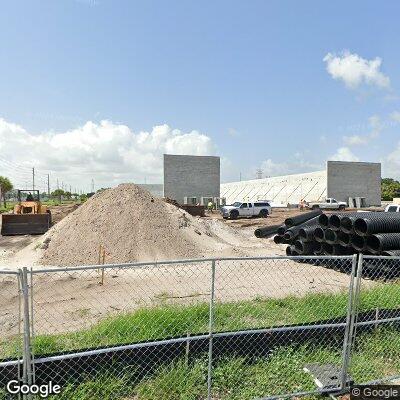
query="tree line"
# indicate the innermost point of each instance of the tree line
(390, 189)
(6, 186)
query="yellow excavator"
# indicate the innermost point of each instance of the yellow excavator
(29, 217)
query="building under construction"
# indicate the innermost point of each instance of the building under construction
(340, 179)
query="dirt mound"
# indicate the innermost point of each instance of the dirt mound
(132, 226)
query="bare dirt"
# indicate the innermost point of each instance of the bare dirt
(133, 226)
(69, 300)
(61, 211)
(24, 250)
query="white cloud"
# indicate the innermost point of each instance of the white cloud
(376, 127)
(395, 116)
(271, 168)
(343, 154)
(233, 132)
(354, 70)
(355, 140)
(391, 164)
(107, 152)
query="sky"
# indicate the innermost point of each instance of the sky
(99, 90)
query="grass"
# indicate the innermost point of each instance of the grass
(8, 207)
(377, 354)
(242, 378)
(177, 320)
(165, 320)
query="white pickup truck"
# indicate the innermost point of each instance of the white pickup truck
(254, 209)
(330, 204)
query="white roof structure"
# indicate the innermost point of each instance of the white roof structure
(283, 190)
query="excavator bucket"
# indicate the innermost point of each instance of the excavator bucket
(25, 224)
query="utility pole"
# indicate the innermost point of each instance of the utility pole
(48, 184)
(92, 185)
(33, 178)
(58, 186)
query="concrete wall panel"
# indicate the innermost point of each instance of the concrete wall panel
(354, 179)
(191, 176)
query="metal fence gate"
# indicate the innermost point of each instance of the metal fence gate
(229, 328)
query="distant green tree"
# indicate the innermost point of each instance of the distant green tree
(58, 193)
(390, 189)
(6, 186)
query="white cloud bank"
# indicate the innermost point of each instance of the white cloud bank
(297, 166)
(354, 70)
(107, 152)
(343, 154)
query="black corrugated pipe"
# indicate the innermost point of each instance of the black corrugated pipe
(335, 219)
(327, 249)
(278, 239)
(294, 251)
(304, 248)
(266, 231)
(319, 234)
(293, 232)
(358, 242)
(281, 230)
(339, 250)
(330, 236)
(323, 220)
(377, 222)
(383, 241)
(343, 238)
(306, 234)
(301, 218)
(318, 248)
(392, 253)
(347, 221)
(291, 251)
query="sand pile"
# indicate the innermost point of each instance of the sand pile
(133, 226)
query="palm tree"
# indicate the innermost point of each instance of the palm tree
(5, 186)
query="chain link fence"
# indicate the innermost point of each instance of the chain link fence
(276, 319)
(375, 353)
(11, 330)
(231, 328)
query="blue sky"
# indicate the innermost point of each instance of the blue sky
(248, 76)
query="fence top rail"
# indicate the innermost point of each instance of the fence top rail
(8, 272)
(153, 264)
(371, 257)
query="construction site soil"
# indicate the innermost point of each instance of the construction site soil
(132, 225)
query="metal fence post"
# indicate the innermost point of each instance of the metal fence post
(27, 362)
(210, 331)
(349, 326)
